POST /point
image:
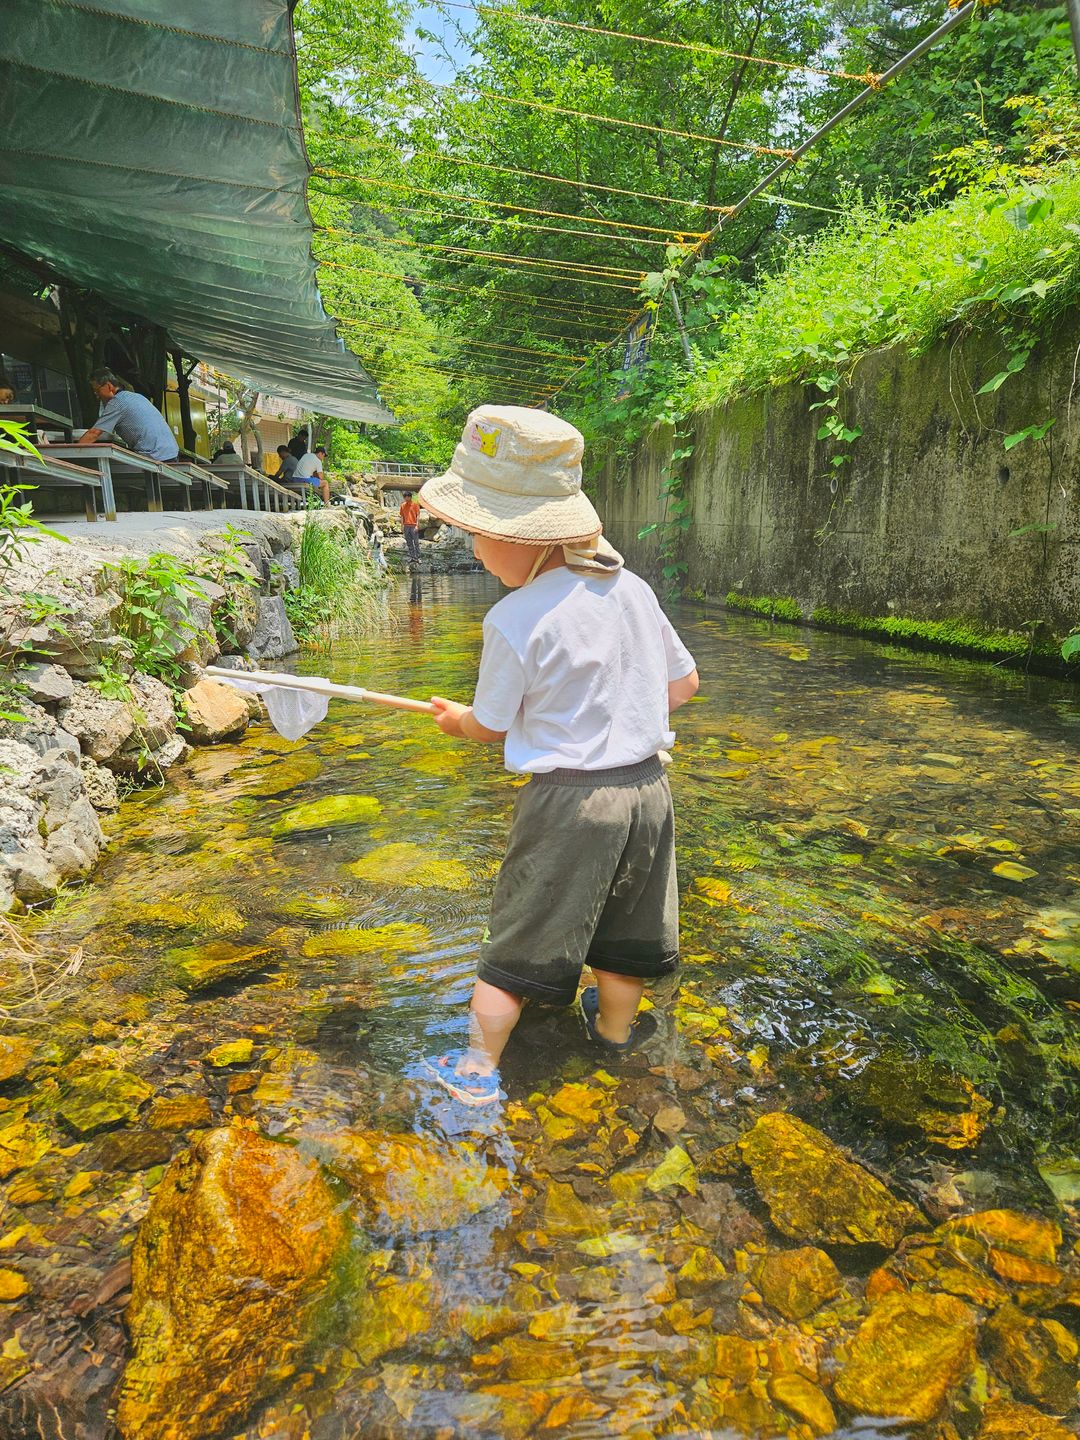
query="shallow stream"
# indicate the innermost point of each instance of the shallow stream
(880, 858)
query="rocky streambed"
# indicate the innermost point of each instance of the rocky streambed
(836, 1192)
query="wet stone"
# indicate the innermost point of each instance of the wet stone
(228, 1269)
(22, 1144)
(1009, 1420)
(230, 1052)
(199, 966)
(407, 864)
(408, 1182)
(805, 1400)
(180, 1112)
(1036, 1358)
(102, 1100)
(924, 1095)
(797, 1282)
(132, 1150)
(13, 1286)
(16, 1053)
(908, 1356)
(816, 1192)
(1032, 1236)
(328, 813)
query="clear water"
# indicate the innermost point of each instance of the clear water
(844, 811)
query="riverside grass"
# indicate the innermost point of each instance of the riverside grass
(876, 279)
(339, 586)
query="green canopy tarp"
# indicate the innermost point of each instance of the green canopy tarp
(153, 152)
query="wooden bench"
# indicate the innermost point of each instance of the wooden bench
(27, 473)
(124, 468)
(251, 488)
(215, 488)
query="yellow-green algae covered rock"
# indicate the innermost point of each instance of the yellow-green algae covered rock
(909, 1355)
(16, 1052)
(194, 912)
(1008, 1420)
(407, 1182)
(102, 1099)
(227, 1269)
(280, 775)
(198, 966)
(394, 939)
(1035, 1358)
(317, 907)
(327, 813)
(230, 1052)
(22, 1144)
(797, 1282)
(815, 1191)
(405, 863)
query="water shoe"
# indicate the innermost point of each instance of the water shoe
(589, 1005)
(469, 1089)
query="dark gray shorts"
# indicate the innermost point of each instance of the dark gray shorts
(588, 879)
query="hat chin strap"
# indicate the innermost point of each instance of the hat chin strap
(543, 556)
(584, 557)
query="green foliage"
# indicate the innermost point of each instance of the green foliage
(959, 636)
(228, 566)
(18, 527)
(155, 615)
(773, 607)
(339, 587)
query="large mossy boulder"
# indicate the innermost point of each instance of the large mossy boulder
(197, 967)
(816, 1192)
(910, 1353)
(408, 1184)
(331, 812)
(228, 1270)
(923, 1095)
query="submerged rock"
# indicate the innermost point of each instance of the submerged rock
(226, 1271)
(408, 1183)
(1036, 1358)
(22, 1144)
(397, 938)
(815, 1191)
(908, 1356)
(797, 1282)
(199, 966)
(406, 863)
(1032, 1236)
(16, 1053)
(328, 813)
(924, 1095)
(1007, 1420)
(102, 1099)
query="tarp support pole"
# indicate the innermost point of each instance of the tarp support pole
(183, 394)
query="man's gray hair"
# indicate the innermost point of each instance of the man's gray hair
(106, 377)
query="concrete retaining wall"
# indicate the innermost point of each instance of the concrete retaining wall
(919, 524)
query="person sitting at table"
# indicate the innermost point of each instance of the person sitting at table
(138, 423)
(309, 471)
(288, 464)
(7, 391)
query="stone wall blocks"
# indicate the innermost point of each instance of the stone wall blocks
(273, 637)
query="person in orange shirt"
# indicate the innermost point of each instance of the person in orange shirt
(410, 523)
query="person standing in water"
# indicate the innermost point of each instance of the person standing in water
(579, 673)
(410, 525)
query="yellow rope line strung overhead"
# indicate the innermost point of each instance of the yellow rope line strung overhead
(542, 175)
(598, 313)
(575, 270)
(453, 340)
(869, 77)
(746, 147)
(540, 229)
(519, 387)
(679, 235)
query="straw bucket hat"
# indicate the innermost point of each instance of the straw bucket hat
(516, 475)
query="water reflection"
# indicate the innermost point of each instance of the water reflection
(880, 859)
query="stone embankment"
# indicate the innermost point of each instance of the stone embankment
(88, 717)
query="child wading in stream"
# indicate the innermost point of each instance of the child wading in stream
(579, 671)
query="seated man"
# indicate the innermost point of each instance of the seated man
(139, 425)
(309, 472)
(287, 463)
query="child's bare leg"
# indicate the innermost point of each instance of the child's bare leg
(493, 1014)
(619, 997)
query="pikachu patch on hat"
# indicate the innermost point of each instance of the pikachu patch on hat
(485, 438)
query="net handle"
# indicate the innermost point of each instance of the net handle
(318, 686)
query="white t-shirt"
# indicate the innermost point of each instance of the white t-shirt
(308, 466)
(575, 669)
